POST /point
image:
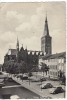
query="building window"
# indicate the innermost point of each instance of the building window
(51, 66)
(53, 73)
(59, 60)
(62, 60)
(50, 73)
(56, 73)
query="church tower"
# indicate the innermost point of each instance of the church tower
(46, 40)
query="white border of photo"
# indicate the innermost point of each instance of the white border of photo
(66, 24)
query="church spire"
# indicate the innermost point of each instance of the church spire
(46, 17)
(17, 46)
(46, 30)
(46, 39)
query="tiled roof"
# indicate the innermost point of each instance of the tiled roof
(57, 55)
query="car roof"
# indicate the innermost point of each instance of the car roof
(46, 84)
(59, 87)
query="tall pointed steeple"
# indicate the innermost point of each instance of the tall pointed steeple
(17, 46)
(46, 29)
(46, 39)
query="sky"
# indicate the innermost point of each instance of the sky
(26, 21)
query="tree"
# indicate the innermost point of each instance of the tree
(44, 68)
(23, 67)
(15, 67)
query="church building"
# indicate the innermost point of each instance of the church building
(29, 56)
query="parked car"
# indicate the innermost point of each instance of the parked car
(3, 75)
(10, 79)
(30, 74)
(46, 86)
(1, 80)
(2, 84)
(23, 77)
(63, 83)
(43, 79)
(57, 90)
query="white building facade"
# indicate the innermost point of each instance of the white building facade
(56, 63)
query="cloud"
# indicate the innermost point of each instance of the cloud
(10, 20)
(58, 41)
(23, 27)
(32, 43)
(34, 26)
(14, 15)
(8, 37)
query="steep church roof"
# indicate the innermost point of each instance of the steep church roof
(46, 29)
(12, 52)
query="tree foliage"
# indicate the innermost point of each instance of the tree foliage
(44, 68)
(15, 67)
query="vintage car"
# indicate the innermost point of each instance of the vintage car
(57, 90)
(46, 86)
